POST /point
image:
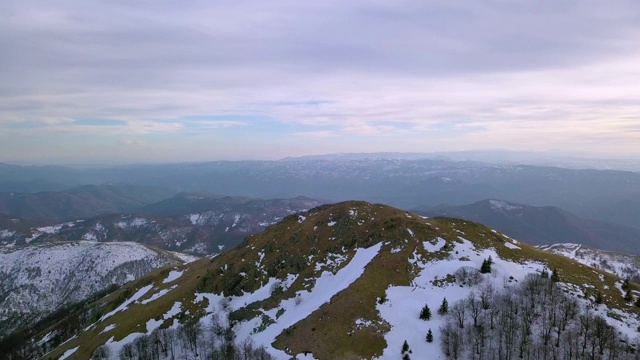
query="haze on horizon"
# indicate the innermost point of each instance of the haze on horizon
(124, 81)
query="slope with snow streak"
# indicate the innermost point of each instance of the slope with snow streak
(38, 280)
(327, 285)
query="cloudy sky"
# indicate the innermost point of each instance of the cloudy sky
(188, 80)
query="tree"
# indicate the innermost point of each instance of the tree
(544, 274)
(555, 277)
(444, 307)
(429, 336)
(425, 313)
(485, 268)
(628, 296)
(638, 301)
(405, 347)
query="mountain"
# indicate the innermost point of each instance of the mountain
(543, 225)
(37, 281)
(81, 202)
(350, 281)
(402, 180)
(189, 223)
(621, 265)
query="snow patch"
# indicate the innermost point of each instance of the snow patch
(440, 242)
(68, 353)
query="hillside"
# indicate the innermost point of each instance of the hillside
(81, 202)
(621, 265)
(37, 281)
(340, 281)
(543, 225)
(189, 223)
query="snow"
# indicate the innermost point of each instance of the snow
(331, 223)
(68, 353)
(153, 324)
(440, 242)
(116, 346)
(108, 328)
(6, 234)
(42, 278)
(410, 232)
(90, 237)
(511, 246)
(132, 299)
(186, 258)
(326, 286)
(173, 275)
(157, 295)
(503, 206)
(301, 219)
(404, 303)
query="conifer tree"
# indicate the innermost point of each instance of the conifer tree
(628, 296)
(425, 313)
(555, 277)
(486, 266)
(444, 307)
(638, 301)
(429, 336)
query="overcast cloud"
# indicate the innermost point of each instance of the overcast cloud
(122, 80)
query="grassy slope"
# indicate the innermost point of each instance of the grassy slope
(286, 248)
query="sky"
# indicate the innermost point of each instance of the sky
(121, 81)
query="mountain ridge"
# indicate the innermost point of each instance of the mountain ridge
(384, 264)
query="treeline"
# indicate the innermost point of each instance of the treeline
(191, 340)
(532, 320)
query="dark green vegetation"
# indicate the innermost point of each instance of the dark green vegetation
(298, 245)
(543, 225)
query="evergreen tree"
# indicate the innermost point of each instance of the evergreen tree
(406, 356)
(628, 296)
(429, 336)
(425, 313)
(626, 284)
(444, 307)
(638, 301)
(486, 265)
(405, 347)
(555, 277)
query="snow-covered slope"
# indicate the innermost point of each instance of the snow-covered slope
(621, 265)
(191, 224)
(38, 280)
(337, 282)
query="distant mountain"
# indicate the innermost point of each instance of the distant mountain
(37, 281)
(402, 180)
(81, 202)
(31, 186)
(543, 225)
(191, 223)
(360, 281)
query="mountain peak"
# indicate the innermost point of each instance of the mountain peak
(346, 280)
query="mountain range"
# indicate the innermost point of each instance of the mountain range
(198, 224)
(356, 280)
(406, 182)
